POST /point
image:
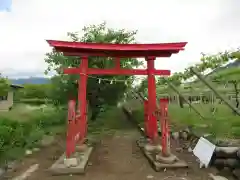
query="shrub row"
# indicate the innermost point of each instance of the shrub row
(16, 136)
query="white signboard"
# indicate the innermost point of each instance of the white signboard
(204, 151)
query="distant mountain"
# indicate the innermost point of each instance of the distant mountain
(217, 70)
(30, 80)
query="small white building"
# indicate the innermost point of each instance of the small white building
(6, 102)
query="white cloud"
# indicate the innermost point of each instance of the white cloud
(208, 26)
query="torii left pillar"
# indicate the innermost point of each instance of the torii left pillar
(152, 104)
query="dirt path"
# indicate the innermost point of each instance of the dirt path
(116, 158)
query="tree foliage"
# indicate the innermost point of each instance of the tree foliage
(98, 94)
(207, 62)
(227, 75)
(230, 76)
(4, 86)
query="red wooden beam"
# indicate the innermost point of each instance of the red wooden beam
(72, 70)
(119, 47)
(117, 50)
(93, 71)
(117, 54)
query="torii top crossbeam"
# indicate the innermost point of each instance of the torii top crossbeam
(117, 50)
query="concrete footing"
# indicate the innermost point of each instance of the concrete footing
(75, 165)
(159, 162)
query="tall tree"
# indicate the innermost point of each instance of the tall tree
(109, 91)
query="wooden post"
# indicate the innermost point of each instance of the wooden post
(71, 131)
(165, 127)
(82, 93)
(152, 120)
(146, 123)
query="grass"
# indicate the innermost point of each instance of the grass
(113, 119)
(24, 112)
(222, 124)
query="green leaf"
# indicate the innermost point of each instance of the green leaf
(97, 94)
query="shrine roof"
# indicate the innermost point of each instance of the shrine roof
(117, 50)
(16, 86)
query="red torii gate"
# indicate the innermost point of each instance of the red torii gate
(118, 51)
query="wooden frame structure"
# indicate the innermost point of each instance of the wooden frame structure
(78, 123)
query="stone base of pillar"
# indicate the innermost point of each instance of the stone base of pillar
(159, 162)
(75, 165)
(81, 148)
(171, 159)
(71, 162)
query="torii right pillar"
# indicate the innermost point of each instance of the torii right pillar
(163, 158)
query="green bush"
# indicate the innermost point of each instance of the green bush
(34, 101)
(16, 135)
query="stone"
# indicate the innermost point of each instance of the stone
(158, 148)
(207, 135)
(151, 148)
(47, 140)
(190, 149)
(36, 149)
(213, 177)
(28, 152)
(2, 171)
(238, 153)
(70, 162)
(150, 176)
(175, 135)
(236, 172)
(201, 165)
(179, 149)
(227, 150)
(184, 135)
(12, 165)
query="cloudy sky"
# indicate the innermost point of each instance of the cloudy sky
(207, 25)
